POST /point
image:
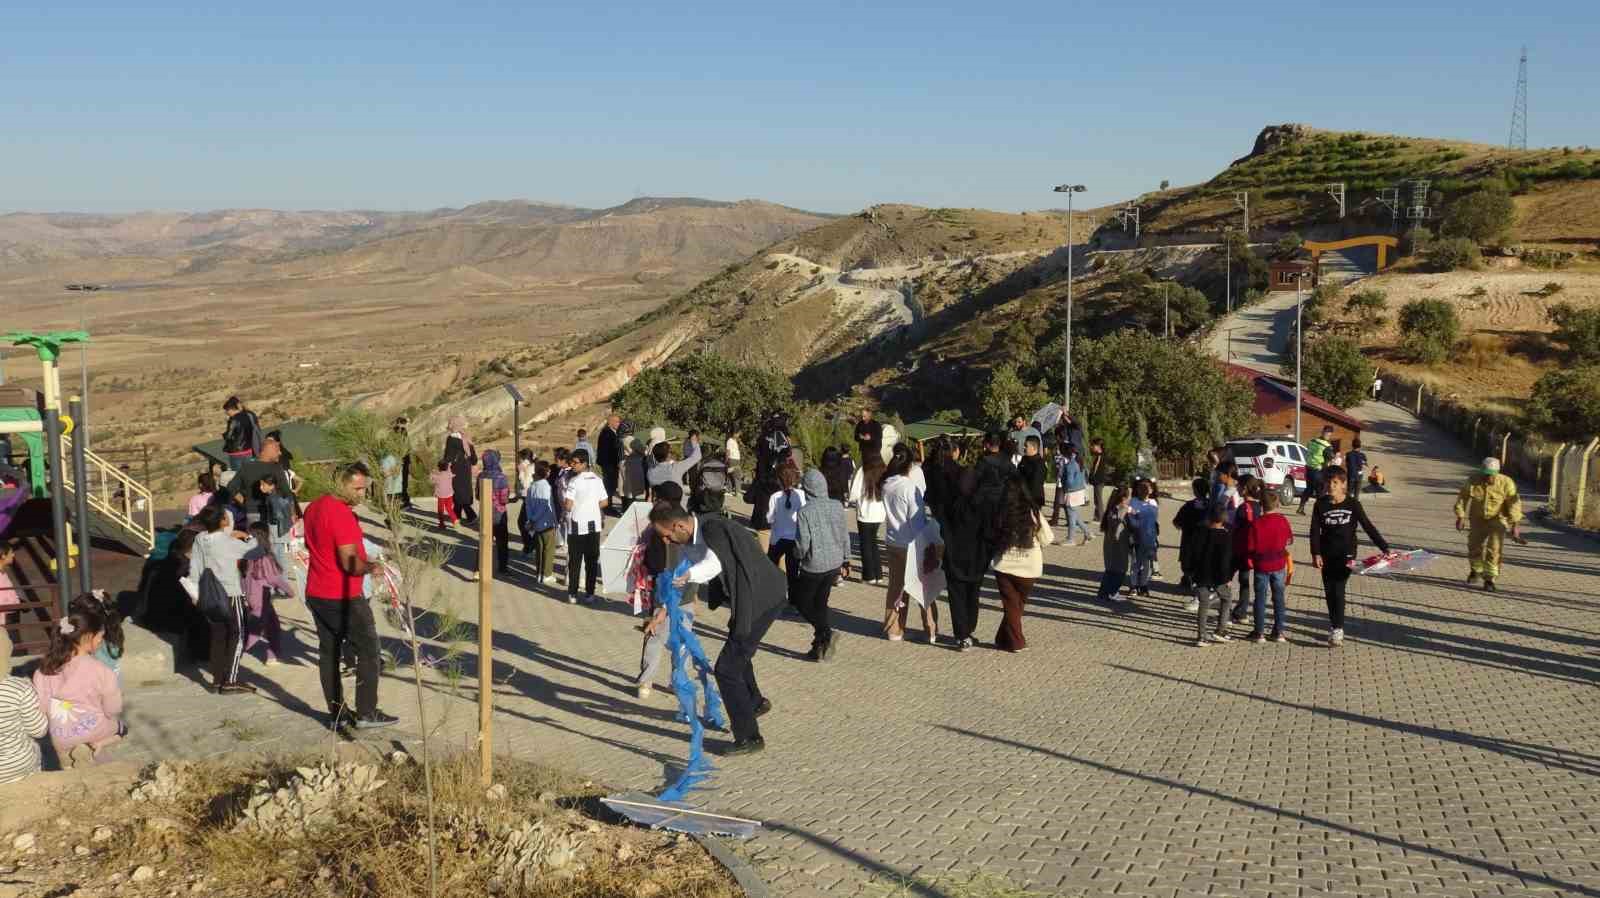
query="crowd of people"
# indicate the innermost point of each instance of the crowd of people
(929, 525)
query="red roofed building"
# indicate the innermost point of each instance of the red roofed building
(1275, 406)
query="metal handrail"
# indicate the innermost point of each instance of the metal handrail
(115, 494)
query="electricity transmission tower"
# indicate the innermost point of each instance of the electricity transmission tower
(1242, 200)
(1519, 107)
(1129, 215)
(1336, 190)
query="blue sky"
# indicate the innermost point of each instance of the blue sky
(821, 105)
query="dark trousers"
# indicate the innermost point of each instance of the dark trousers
(1313, 488)
(1355, 484)
(963, 606)
(871, 553)
(464, 510)
(784, 549)
(405, 481)
(1110, 582)
(341, 623)
(608, 476)
(227, 645)
(1013, 598)
(527, 535)
(502, 543)
(1098, 489)
(1335, 576)
(1243, 604)
(810, 593)
(583, 551)
(736, 677)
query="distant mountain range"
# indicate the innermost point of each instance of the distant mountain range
(202, 240)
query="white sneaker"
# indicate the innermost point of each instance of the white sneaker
(1221, 637)
(572, 599)
(1201, 643)
(1194, 605)
(645, 691)
(1336, 637)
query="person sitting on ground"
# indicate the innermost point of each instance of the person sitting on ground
(111, 646)
(78, 694)
(22, 722)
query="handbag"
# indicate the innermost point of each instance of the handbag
(215, 604)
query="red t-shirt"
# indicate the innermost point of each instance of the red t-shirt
(1269, 540)
(330, 524)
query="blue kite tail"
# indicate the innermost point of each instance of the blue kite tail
(683, 647)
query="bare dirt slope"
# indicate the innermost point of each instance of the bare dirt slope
(397, 321)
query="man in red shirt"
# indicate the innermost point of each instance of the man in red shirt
(336, 595)
(1267, 554)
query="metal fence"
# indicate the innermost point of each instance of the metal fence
(1570, 472)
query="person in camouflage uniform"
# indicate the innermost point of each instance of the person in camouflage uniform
(1488, 508)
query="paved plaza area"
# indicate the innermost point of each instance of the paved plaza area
(1448, 748)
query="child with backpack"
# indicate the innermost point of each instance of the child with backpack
(1143, 520)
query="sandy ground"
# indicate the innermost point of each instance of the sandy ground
(1508, 322)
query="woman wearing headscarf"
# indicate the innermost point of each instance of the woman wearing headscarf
(496, 476)
(462, 457)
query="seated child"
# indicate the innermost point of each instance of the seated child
(78, 694)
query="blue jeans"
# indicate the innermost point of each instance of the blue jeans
(1144, 558)
(1110, 582)
(235, 462)
(1274, 581)
(1075, 522)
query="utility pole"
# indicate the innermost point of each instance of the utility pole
(1299, 346)
(1227, 252)
(1242, 200)
(1069, 190)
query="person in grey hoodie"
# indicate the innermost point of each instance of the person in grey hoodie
(822, 548)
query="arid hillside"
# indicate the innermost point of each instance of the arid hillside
(1290, 167)
(410, 311)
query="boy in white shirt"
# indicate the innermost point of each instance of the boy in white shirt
(585, 502)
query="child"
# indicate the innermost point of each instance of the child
(1153, 502)
(1189, 520)
(1334, 544)
(500, 499)
(1245, 516)
(1267, 556)
(1118, 545)
(444, 493)
(261, 577)
(21, 723)
(539, 523)
(520, 491)
(78, 694)
(560, 473)
(8, 597)
(110, 651)
(1146, 528)
(1212, 575)
(202, 498)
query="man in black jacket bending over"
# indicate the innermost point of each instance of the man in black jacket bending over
(728, 561)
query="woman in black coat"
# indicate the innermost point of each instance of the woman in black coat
(462, 457)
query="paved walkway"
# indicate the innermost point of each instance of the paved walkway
(1449, 748)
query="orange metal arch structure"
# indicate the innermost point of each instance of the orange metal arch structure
(1383, 243)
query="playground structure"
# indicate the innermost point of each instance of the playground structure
(62, 470)
(1381, 242)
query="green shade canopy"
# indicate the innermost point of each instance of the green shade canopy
(922, 431)
(48, 346)
(306, 441)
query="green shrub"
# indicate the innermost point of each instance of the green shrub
(1334, 369)
(704, 392)
(1550, 289)
(1579, 329)
(1565, 404)
(1368, 305)
(1453, 253)
(1429, 329)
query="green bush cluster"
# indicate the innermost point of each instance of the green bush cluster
(1579, 329)
(1334, 369)
(1429, 330)
(1565, 404)
(1452, 254)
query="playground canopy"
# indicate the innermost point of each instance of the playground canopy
(920, 432)
(19, 405)
(307, 441)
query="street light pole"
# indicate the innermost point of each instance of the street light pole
(1066, 392)
(1299, 345)
(1227, 251)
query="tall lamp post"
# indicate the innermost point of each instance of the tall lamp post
(1227, 254)
(1066, 396)
(1299, 345)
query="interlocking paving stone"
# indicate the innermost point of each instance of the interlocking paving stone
(1449, 748)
